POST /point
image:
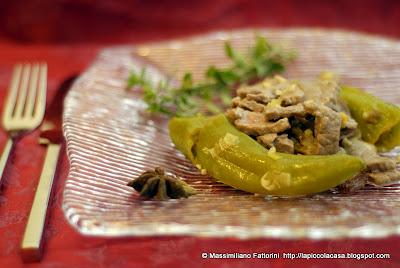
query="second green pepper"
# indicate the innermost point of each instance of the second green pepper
(375, 117)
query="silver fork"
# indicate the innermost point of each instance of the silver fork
(25, 105)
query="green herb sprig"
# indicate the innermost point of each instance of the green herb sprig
(215, 92)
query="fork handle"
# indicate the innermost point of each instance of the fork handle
(4, 157)
(32, 241)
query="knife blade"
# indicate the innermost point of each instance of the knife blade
(51, 137)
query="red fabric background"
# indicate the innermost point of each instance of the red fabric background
(67, 34)
(106, 21)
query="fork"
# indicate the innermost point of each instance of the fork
(25, 104)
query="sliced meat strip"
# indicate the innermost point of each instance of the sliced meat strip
(283, 144)
(381, 170)
(369, 154)
(247, 116)
(275, 112)
(255, 124)
(251, 105)
(291, 95)
(260, 98)
(386, 177)
(251, 125)
(235, 102)
(326, 127)
(267, 139)
(379, 163)
(232, 114)
(257, 89)
(323, 92)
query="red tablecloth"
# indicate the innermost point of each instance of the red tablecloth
(67, 248)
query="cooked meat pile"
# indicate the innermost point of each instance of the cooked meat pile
(306, 118)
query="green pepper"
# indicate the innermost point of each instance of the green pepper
(389, 140)
(184, 134)
(239, 161)
(374, 116)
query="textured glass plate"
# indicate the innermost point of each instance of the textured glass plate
(110, 140)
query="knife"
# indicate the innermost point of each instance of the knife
(51, 137)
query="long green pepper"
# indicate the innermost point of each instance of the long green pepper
(235, 159)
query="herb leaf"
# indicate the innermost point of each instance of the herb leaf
(214, 93)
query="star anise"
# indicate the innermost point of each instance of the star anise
(158, 185)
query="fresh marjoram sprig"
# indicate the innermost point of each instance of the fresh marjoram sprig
(214, 93)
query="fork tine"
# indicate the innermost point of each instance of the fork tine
(23, 89)
(40, 106)
(13, 92)
(32, 92)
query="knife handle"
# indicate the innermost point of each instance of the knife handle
(32, 241)
(4, 157)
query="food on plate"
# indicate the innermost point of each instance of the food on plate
(213, 144)
(160, 186)
(278, 136)
(389, 140)
(285, 138)
(291, 116)
(379, 170)
(374, 116)
(317, 119)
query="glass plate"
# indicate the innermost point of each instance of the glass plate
(111, 139)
